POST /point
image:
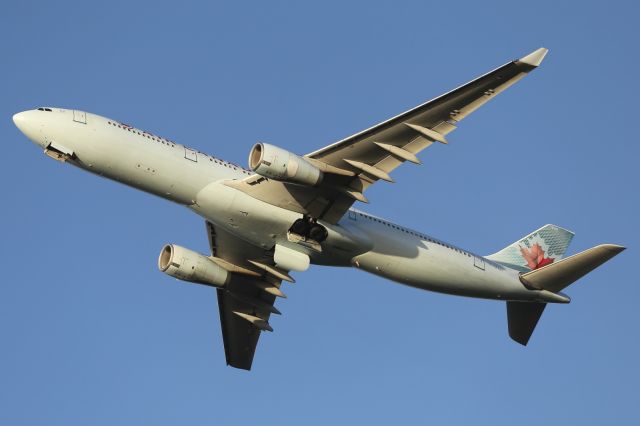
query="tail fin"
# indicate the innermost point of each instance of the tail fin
(523, 316)
(540, 248)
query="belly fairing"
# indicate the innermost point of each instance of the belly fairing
(265, 225)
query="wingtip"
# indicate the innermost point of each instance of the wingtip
(534, 58)
(615, 248)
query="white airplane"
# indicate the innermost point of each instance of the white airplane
(288, 211)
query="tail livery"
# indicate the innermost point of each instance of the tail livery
(538, 249)
(538, 257)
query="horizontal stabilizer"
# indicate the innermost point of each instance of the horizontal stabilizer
(523, 318)
(556, 276)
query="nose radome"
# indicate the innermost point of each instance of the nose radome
(19, 120)
(29, 123)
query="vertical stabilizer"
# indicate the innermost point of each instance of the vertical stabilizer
(540, 248)
(523, 318)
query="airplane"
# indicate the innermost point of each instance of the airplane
(287, 211)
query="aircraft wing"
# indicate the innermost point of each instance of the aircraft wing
(354, 163)
(246, 302)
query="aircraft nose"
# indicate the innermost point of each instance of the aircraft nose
(30, 125)
(20, 120)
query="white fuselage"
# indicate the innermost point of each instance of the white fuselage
(197, 180)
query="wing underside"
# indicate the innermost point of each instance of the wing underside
(358, 161)
(240, 336)
(247, 300)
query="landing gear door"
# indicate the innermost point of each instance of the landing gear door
(80, 117)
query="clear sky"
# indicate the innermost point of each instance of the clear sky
(92, 333)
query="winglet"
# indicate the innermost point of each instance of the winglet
(534, 58)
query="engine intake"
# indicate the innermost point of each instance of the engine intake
(187, 265)
(278, 164)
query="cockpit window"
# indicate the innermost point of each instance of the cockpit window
(44, 109)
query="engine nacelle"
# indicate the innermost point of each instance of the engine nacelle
(278, 164)
(187, 265)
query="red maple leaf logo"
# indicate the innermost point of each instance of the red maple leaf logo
(535, 256)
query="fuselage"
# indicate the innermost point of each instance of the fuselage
(197, 180)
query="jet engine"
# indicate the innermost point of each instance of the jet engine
(278, 164)
(187, 265)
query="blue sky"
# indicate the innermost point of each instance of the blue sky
(93, 333)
